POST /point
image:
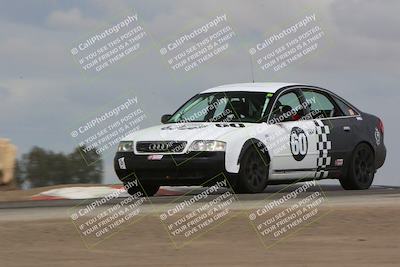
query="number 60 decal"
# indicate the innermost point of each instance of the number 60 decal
(298, 143)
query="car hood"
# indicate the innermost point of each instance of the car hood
(186, 132)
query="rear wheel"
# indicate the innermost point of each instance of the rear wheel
(361, 170)
(148, 189)
(253, 174)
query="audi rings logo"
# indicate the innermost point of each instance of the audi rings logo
(158, 147)
(161, 146)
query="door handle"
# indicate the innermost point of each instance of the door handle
(346, 128)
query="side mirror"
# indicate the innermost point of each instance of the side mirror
(165, 118)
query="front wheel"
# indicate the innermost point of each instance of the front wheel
(361, 170)
(253, 173)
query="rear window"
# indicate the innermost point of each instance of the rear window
(346, 109)
(320, 105)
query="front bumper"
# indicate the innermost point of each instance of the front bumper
(193, 168)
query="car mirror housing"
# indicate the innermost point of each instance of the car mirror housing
(165, 118)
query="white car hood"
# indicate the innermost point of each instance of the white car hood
(184, 132)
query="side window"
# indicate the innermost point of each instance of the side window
(320, 105)
(346, 109)
(286, 108)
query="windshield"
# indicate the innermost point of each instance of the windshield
(224, 106)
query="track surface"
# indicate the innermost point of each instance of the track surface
(272, 192)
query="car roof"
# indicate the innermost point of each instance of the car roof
(250, 87)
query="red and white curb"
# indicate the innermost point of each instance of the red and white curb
(102, 191)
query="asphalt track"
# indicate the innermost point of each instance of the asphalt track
(332, 192)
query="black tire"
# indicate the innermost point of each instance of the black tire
(361, 171)
(253, 173)
(149, 189)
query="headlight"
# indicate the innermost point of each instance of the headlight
(207, 145)
(125, 146)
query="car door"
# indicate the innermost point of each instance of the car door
(295, 155)
(334, 130)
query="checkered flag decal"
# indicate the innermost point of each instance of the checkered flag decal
(323, 147)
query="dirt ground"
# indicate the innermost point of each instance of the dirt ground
(362, 235)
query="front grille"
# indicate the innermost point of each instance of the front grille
(160, 146)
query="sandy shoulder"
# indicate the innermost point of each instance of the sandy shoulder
(359, 235)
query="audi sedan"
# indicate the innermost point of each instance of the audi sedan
(254, 135)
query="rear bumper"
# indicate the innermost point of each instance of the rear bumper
(380, 156)
(187, 169)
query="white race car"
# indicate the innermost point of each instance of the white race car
(255, 134)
